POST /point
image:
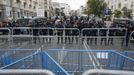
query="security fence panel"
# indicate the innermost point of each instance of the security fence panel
(107, 72)
(25, 72)
(48, 38)
(42, 37)
(129, 54)
(64, 61)
(65, 38)
(25, 64)
(5, 39)
(10, 56)
(78, 61)
(104, 38)
(50, 64)
(21, 37)
(132, 37)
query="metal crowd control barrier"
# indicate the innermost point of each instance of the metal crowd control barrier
(33, 62)
(50, 64)
(108, 59)
(25, 72)
(129, 54)
(5, 40)
(21, 36)
(69, 63)
(29, 37)
(36, 37)
(27, 62)
(107, 72)
(8, 57)
(106, 35)
(132, 36)
(67, 37)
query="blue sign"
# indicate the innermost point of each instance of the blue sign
(108, 12)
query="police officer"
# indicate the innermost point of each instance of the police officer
(36, 31)
(103, 33)
(89, 33)
(68, 32)
(75, 33)
(59, 31)
(50, 25)
(111, 34)
(128, 35)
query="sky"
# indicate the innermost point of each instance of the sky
(74, 4)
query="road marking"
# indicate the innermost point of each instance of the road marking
(62, 54)
(90, 56)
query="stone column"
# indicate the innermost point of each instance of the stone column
(3, 12)
(14, 13)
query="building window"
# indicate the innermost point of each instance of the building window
(30, 0)
(30, 6)
(10, 13)
(18, 1)
(131, 5)
(112, 7)
(45, 14)
(34, 7)
(25, 4)
(0, 14)
(18, 14)
(119, 5)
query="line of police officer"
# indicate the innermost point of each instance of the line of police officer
(74, 23)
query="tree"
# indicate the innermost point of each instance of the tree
(95, 7)
(117, 13)
(127, 13)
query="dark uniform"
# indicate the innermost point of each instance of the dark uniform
(75, 33)
(50, 25)
(103, 33)
(89, 34)
(111, 34)
(36, 32)
(59, 33)
(68, 33)
(128, 36)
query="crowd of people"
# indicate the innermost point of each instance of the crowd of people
(72, 22)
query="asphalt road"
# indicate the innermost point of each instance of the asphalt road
(28, 43)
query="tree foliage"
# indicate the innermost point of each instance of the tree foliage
(124, 12)
(95, 7)
(117, 13)
(127, 13)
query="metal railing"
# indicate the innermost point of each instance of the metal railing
(108, 35)
(104, 32)
(26, 62)
(40, 35)
(107, 72)
(72, 62)
(50, 64)
(33, 62)
(29, 37)
(129, 54)
(5, 35)
(107, 59)
(10, 56)
(132, 36)
(92, 57)
(25, 72)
